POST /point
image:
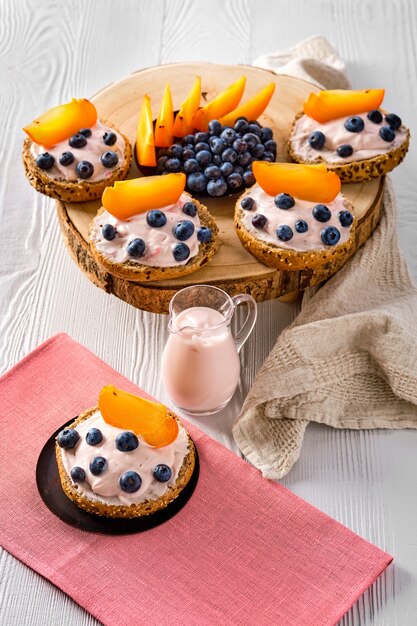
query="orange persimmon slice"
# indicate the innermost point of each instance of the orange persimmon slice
(306, 182)
(183, 120)
(164, 135)
(61, 122)
(332, 104)
(222, 104)
(151, 420)
(251, 109)
(138, 195)
(145, 141)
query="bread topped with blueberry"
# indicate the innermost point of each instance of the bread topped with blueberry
(349, 133)
(151, 229)
(127, 457)
(71, 155)
(295, 217)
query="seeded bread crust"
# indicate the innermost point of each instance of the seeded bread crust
(123, 510)
(285, 259)
(73, 191)
(143, 273)
(356, 171)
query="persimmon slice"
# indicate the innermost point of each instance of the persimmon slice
(183, 120)
(222, 104)
(145, 141)
(306, 182)
(332, 104)
(164, 135)
(251, 109)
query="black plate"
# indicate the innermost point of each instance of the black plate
(51, 492)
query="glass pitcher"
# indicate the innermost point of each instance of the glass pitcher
(200, 362)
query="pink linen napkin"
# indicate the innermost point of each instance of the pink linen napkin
(243, 550)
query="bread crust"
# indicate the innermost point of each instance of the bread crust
(143, 273)
(73, 191)
(141, 509)
(356, 171)
(284, 258)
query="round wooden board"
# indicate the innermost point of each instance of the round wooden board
(233, 268)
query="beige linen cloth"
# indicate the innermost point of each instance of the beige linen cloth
(349, 360)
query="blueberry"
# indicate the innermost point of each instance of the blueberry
(301, 226)
(67, 438)
(354, 124)
(271, 145)
(317, 140)
(217, 145)
(161, 163)
(330, 235)
(248, 178)
(66, 158)
(84, 169)
(212, 172)
(45, 161)
(284, 233)
(226, 169)
(188, 139)
(187, 153)
(181, 252)
(162, 473)
(85, 131)
(244, 158)
(94, 437)
(254, 128)
(109, 232)
(393, 121)
(190, 209)
(173, 165)
(259, 220)
(251, 139)
(204, 234)
(346, 218)
(345, 150)
(109, 158)
(375, 116)
(266, 134)
(247, 203)
(109, 138)
(217, 187)
(156, 218)
(77, 474)
(136, 248)
(201, 136)
(229, 155)
(321, 213)
(255, 122)
(258, 151)
(268, 156)
(215, 128)
(130, 482)
(201, 145)
(197, 181)
(98, 465)
(183, 230)
(175, 150)
(239, 145)
(386, 133)
(203, 157)
(238, 169)
(228, 135)
(234, 181)
(241, 125)
(190, 166)
(127, 441)
(284, 201)
(77, 141)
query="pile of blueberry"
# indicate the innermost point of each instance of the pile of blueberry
(126, 441)
(156, 218)
(84, 169)
(329, 235)
(219, 161)
(355, 124)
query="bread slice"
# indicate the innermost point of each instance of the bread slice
(136, 272)
(147, 507)
(73, 191)
(287, 259)
(357, 171)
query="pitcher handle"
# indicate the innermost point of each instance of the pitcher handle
(247, 326)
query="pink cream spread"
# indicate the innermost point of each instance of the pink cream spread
(91, 152)
(310, 239)
(366, 144)
(160, 242)
(105, 487)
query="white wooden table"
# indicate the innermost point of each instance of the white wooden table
(51, 51)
